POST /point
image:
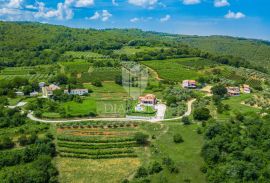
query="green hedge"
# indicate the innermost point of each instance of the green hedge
(91, 140)
(97, 146)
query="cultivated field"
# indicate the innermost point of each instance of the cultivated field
(175, 69)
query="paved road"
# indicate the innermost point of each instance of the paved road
(158, 118)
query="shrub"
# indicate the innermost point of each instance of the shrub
(141, 138)
(141, 172)
(97, 83)
(201, 114)
(177, 138)
(156, 168)
(186, 120)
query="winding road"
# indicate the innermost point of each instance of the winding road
(158, 118)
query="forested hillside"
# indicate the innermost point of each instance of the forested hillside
(255, 51)
(28, 44)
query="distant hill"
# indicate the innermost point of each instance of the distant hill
(254, 51)
(24, 43)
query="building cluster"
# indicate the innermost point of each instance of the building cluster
(236, 91)
(48, 90)
(232, 91)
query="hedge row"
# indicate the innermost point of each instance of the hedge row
(91, 140)
(97, 146)
(70, 155)
(99, 152)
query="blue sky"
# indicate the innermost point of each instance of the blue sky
(243, 18)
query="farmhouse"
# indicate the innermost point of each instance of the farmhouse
(76, 91)
(47, 91)
(233, 91)
(246, 89)
(148, 99)
(189, 84)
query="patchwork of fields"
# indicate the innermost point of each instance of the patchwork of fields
(178, 69)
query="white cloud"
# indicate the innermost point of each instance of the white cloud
(8, 11)
(14, 4)
(133, 20)
(142, 19)
(191, 2)
(234, 15)
(84, 3)
(104, 15)
(221, 3)
(32, 7)
(143, 3)
(115, 3)
(166, 18)
(63, 11)
(95, 16)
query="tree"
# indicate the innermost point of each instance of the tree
(201, 114)
(177, 138)
(118, 80)
(141, 172)
(219, 90)
(141, 138)
(6, 143)
(97, 83)
(156, 168)
(23, 140)
(186, 120)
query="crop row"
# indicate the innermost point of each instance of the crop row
(98, 152)
(71, 155)
(96, 146)
(91, 140)
(98, 124)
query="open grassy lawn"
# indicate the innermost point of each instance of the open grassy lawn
(76, 109)
(186, 155)
(102, 73)
(236, 104)
(95, 171)
(172, 69)
(109, 91)
(129, 50)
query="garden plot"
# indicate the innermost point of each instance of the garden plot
(97, 140)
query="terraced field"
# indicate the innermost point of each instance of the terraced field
(40, 73)
(105, 143)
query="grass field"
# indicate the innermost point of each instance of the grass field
(86, 54)
(129, 50)
(76, 109)
(95, 171)
(186, 155)
(102, 73)
(173, 69)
